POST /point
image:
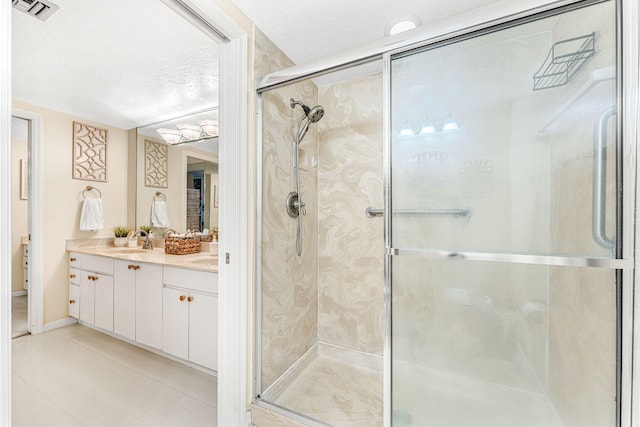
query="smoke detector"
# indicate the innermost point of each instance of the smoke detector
(36, 8)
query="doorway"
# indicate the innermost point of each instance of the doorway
(20, 132)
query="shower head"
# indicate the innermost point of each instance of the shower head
(313, 114)
(316, 114)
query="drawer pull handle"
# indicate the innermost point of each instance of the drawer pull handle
(136, 267)
(72, 276)
(72, 301)
(182, 297)
(190, 299)
(129, 267)
(72, 259)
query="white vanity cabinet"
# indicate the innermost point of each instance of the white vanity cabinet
(138, 302)
(93, 302)
(167, 309)
(190, 316)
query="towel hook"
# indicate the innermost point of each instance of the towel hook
(90, 188)
(161, 195)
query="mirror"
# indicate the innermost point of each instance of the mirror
(182, 177)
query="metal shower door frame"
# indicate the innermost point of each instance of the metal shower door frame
(624, 264)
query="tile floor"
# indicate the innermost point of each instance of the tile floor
(75, 376)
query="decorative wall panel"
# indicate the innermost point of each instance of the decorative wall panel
(155, 164)
(89, 153)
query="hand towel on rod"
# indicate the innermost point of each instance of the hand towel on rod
(159, 215)
(92, 215)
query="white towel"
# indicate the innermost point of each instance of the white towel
(92, 215)
(159, 215)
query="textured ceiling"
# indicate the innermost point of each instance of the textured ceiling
(309, 30)
(93, 60)
(119, 62)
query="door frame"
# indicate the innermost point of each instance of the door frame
(5, 214)
(36, 220)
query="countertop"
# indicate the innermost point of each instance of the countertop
(203, 261)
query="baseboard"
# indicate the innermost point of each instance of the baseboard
(59, 324)
(18, 293)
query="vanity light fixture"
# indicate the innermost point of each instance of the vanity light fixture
(210, 127)
(450, 125)
(186, 132)
(427, 128)
(406, 131)
(171, 136)
(190, 132)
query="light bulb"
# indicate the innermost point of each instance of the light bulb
(406, 131)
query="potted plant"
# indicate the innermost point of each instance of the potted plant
(120, 233)
(147, 230)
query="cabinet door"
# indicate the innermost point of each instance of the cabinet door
(87, 297)
(103, 301)
(124, 299)
(175, 319)
(74, 301)
(203, 330)
(149, 305)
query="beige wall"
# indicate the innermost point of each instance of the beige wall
(19, 214)
(62, 197)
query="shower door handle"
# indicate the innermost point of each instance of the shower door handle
(599, 207)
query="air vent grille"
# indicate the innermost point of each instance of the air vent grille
(36, 8)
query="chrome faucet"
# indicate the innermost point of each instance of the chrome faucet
(147, 242)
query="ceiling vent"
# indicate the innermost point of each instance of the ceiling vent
(36, 8)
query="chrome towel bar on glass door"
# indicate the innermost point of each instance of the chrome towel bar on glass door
(372, 212)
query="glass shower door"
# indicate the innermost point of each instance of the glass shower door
(503, 230)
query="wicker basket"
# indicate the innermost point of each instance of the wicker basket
(176, 245)
(206, 238)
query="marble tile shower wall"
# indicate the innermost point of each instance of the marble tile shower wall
(351, 246)
(289, 283)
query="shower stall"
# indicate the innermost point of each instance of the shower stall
(465, 257)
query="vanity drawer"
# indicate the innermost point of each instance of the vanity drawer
(74, 276)
(202, 281)
(97, 264)
(75, 259)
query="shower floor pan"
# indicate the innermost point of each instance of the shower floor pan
(336, 386)
(345, 389)
(436, 398)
